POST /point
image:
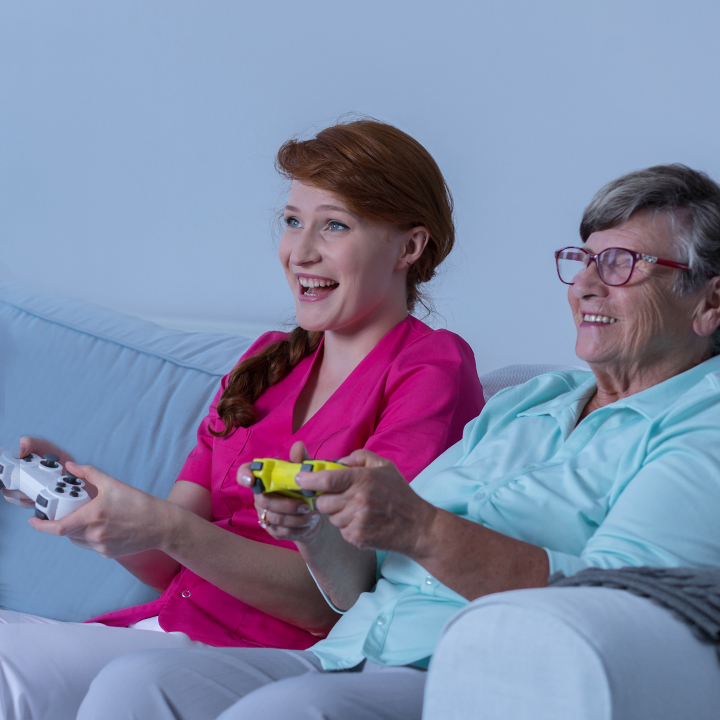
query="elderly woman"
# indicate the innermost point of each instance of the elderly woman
(575, 469)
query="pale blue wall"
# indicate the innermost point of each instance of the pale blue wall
(137, 139)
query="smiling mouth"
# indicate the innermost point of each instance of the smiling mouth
(313, 287)
(599, 319)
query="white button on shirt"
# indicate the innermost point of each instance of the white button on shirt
(635, 483)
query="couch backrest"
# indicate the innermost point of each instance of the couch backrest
(121, 393)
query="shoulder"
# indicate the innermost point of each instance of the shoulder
(418, 340)
(262, 342)
(256, 348)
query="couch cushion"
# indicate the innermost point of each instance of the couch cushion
(120, 393)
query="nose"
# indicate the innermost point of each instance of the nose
(305, 248)
(587, 282)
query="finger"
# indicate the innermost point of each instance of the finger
(71, 525)
(298, 452)
(363, 458)
(281, 504)
(295, 522)
(326, 481)
(25, 444)
(97, 480)
(245, 476)
(16, 497)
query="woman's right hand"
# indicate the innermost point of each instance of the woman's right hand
(285, 518)
(38, 446)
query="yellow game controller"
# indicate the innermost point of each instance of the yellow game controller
(278, 476)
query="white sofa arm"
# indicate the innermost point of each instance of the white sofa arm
(570, 654)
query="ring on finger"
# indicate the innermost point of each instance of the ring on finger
(263, 521)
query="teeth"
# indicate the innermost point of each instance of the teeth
(313, 283)
(599, 319)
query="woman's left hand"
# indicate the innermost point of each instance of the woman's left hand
(371, 503)
(120, 520)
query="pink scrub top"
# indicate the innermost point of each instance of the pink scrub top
(407, 401)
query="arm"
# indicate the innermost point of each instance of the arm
(154, 567)
(123, 521)
(374, 508)
(667, 514)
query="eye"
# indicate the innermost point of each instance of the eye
(335, 225)
(292, 222)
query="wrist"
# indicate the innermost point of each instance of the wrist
(172, 527)
(426, 533)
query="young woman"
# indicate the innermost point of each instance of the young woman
(368, 220)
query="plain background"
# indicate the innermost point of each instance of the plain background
(137, 141)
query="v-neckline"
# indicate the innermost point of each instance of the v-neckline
(340, 387)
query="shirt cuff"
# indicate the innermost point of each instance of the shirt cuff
(565, 563)
(380, 556)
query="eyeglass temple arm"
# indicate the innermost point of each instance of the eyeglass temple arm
(660, 261)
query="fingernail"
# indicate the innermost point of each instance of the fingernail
(246, 479)
(304, 509)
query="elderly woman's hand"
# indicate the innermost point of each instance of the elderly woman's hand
(370, 503)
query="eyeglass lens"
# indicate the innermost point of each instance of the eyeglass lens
(614, 265)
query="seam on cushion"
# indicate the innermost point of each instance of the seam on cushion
(114, 341)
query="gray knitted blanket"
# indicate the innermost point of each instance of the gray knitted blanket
(693, 596)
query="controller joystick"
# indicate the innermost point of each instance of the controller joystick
(50, 460)
(56, 493)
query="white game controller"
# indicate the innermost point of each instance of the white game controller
(56, 493)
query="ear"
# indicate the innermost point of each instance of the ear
(707, 319)
(413, 245)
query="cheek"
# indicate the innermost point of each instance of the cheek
(284, 249)
(654, 317)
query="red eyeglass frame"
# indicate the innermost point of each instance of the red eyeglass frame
(635, 256)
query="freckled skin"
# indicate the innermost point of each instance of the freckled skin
(656, 334)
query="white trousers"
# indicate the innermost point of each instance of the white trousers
(570, 654)
(46, 666)
(249, 684)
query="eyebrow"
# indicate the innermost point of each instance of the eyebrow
(337, 208)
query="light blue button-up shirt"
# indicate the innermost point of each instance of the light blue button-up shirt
(636, 482)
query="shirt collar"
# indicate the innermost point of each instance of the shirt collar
(649, 403)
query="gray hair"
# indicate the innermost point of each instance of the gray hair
(691, 201)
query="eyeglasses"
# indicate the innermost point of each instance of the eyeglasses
(614, 265)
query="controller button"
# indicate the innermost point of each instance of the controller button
(59, 490)
(74, 493)
(186, 593)
(40, 514)
(306, 467)
(2, 484)
(2, 469)
(308, 493)
(61, 483)
(256, 466)
(51, 460)
(71, 480)
(28, 458)
(40, 500)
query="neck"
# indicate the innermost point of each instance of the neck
(615, 383)
(344, 351)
